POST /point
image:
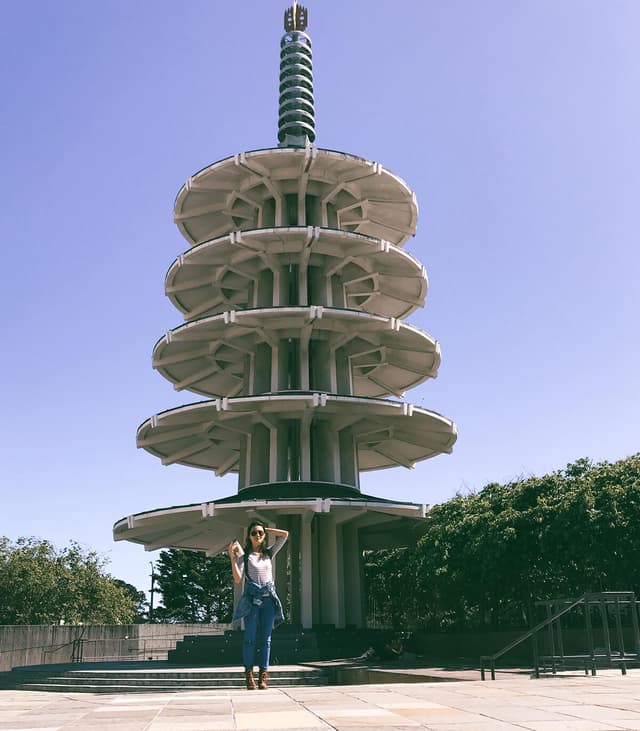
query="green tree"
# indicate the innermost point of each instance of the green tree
(386, 574)
(487, 557)
(195, 587)
(448, 563)
(40, 584)
(138, 598)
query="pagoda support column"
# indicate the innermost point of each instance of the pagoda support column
(331, 574)
(353, 598)
(306, 570)
(294, 523)
(283, 579)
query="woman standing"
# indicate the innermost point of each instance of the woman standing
(259, 604)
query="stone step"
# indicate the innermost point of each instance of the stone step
(194, 677)
(118, 689)
(113, 687)
(120, 680)
(208, 682)
(291, 645)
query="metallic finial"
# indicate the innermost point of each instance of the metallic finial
(296, 18)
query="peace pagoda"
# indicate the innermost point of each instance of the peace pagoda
(295, 289)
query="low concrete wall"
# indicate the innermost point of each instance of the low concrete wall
(46, 644)
(474, 644)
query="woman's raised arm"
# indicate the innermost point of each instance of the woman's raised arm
(235, 550)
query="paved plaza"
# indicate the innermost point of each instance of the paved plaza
(565, 703)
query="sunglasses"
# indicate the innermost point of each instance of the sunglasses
(256, 533)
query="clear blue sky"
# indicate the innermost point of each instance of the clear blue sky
(515, 121)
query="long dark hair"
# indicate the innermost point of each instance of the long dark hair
(248, 546)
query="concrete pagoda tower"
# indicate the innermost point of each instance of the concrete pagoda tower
(294, 292)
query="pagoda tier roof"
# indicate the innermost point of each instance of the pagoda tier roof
(208, 434)
(209, 356)
(212, 525)
(218, 274)
(243, 191)
(304, 490)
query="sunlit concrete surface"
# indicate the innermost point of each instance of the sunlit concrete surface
(606, 702)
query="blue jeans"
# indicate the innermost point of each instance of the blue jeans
(258, 625)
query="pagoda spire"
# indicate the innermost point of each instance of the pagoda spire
(296, 118)
(296, 18)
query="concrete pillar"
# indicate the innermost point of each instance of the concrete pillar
(320, 366)
(342, 379)
(304, 359)
(282, 450)
(313, 211)
(338, 298)
(244, 462)
(315, 570)
(261, 375)
(306, 571)
(348, 458)
(305, 448)
(317, 286)
(281, 573)
(341, 621)
(268, 214)
(322, 451)
(260, 454)
(264, 296)
(295, 569)
(331, 575)
(352, 560)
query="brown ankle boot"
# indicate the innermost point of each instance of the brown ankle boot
(251, 683)
(264, 675)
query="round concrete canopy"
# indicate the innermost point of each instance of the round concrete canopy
(212, 525)
(216, 275)
(233, 194)
(208, 434)
(209, 356)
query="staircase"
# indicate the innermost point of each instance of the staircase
(202, 662)
(291, 645)
(149, 677)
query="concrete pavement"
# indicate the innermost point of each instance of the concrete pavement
(607, 702)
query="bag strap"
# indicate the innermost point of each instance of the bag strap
(267, 551)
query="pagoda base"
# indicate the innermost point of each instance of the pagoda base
(319, 575)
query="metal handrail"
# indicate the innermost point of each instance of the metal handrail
(530, 633)
(601, 599)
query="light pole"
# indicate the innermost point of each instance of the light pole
(153, 586)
